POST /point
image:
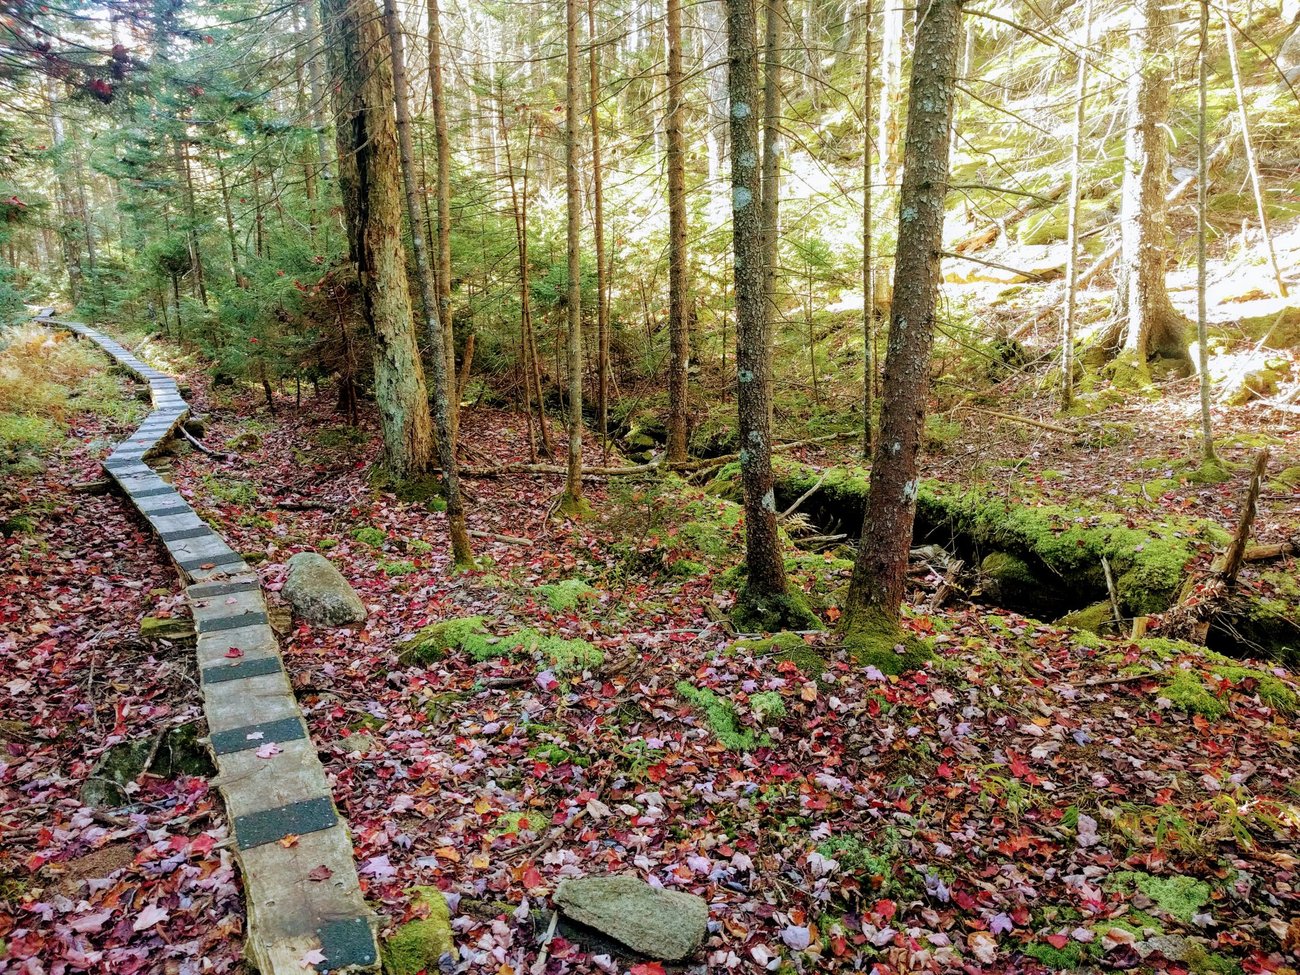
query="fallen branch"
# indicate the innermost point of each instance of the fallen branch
(493, 536)
(219, 455)
(1012, 417)
(653, 466)
(802, 498)
(991, 232)
(1027, 275)
(1266, 553)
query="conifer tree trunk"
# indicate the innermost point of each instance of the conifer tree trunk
(370, 180)
(1153, 326)
(68, 239)
(678, 326)
(598, 221)
(438, 103)
(443, 381)
(317, 83)
(891, 97)
(572, 502)
(774, 10)
(764, 601)
(880, 571)
(1202, 194)
(1072, 217)
(868, 263)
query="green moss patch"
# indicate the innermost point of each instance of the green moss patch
(874, 640)
(434, 641)
(720, 715)
(374, 537)
(418, 946)
(758, 612)
(1178, 897)
(564, 597)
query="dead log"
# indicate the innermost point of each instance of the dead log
(1200, 601)
(988, 234)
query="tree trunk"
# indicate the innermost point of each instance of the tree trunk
(868, 263)
(180, 143)
(1153, 326)
(880, 571)
(444, 389)
(572, 501)
(1202, 193)
(598, 221)
(678, 326)
(1072, 216)
(68, 221)
(317, 83)
(370, 177)
(891, 97)
(438, 102)
(766, 583)
(771, 185)
(230, 217)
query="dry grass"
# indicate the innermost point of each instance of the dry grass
(44, 376)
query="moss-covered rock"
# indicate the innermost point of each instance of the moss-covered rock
(1180, 897)
(1008, 580)
(785, 647)
(433, 642)
(420, 945)
(170, 629)
(1099, 618)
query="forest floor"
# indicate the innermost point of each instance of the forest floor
(1020, 797)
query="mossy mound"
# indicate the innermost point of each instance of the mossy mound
(374, 537)
(874, 640)
(785, 647)
(1180, 897)
(564, 597)
(420, 945)
(558, 654)
(518, 822)
(759, 612)
(434, 641)
(1099, 619)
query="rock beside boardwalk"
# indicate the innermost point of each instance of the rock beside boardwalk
(318, 592)
(665, 924)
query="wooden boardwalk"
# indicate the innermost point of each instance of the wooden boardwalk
(294, 907)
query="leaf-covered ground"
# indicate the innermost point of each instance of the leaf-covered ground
(1026, 799)
(137, 884)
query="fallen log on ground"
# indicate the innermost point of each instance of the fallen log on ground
(1202, 600)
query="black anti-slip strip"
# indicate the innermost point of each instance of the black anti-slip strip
(345, 944)
(184, 533)
(251, 618)
(294, 819)
(231, 558)
(205, 590)
(239, 740)
(153, 492)
(256, 667)
(176, 509)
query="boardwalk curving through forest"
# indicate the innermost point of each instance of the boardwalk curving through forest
(302, 896)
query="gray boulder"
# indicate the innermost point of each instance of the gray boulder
(318, 592)
(664, 924)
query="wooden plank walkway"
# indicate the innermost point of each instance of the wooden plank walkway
(250, 706)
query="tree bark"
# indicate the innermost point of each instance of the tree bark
(1153, 326)
(1072, 216)
(370, 177)
(771, 183)
(763, 557)
(572, 501)
(868, 264)
(1202, 195)
(598, 222)
(880, 571)
(444, 388)
(438, 103)
(678, 326)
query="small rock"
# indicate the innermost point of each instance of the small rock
(1173, 947)
(664, 924)
(357, 742)
(195, 427)
(318, 592)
